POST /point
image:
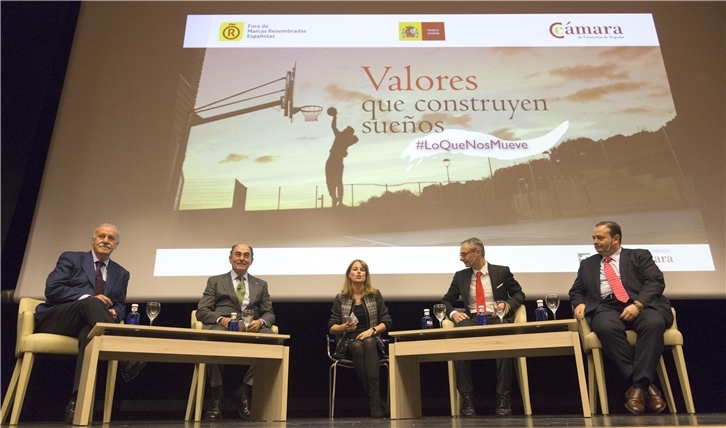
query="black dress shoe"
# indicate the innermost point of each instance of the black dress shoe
(504, 406)
(130, 369)
(70, 409)
(467, 406)
(243, 406)
(215, 410)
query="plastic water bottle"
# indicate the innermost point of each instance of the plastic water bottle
(427, 322)
(133, 316)
(233, 323)
(540, 314)
(481, 315)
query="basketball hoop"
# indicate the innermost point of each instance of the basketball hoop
(311, 113)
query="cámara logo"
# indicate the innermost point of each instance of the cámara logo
(560, 30)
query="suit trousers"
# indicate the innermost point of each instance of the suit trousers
(505, 367)
(215, 372)
(75, 319)
(635, 363)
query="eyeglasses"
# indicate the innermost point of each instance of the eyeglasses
(466, 253)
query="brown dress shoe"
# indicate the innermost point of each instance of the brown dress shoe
(635, 400)
(653, 401)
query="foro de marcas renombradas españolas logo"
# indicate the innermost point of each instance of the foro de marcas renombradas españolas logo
(231, 31)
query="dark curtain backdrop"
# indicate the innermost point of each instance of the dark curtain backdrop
(36, 42)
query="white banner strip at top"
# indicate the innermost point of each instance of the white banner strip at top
(422, 31)
(415, 260)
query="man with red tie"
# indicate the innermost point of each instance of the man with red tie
(620, 289)
(482, 284)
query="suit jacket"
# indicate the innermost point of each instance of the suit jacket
(504, 287)
(641, 278)
(220, 300)
(75, 275)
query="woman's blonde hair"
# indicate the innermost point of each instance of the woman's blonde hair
(348, 284)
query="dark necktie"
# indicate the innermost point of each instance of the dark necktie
(100, 283)
(615, 284)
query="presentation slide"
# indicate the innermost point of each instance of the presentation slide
(322, 138)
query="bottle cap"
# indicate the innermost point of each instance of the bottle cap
(540, 302)
(426, 311)
(481, 308)
(134, 306)
(234, 314)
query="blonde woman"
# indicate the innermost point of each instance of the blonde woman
(359, 339)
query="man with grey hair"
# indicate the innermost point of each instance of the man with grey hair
(230, 292)
(86, 288)
(482, 284)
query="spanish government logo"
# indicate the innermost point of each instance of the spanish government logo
(418, 31)
(230, 31)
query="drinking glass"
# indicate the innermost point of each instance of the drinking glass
(152, 311)
(440, 313)
(553, 302)
(499, 307)
(247, 316)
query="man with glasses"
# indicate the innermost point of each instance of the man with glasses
(482, 284)
(230, 292)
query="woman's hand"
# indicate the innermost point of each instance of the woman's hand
(349, 326)
(366, 334)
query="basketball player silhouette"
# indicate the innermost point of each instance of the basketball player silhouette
(338, 151)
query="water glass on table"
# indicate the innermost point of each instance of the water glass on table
(152, 311)
(499, 308)
(553, 302)
(440, 313)
(247, 316)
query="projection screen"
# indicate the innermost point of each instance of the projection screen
(319, 133)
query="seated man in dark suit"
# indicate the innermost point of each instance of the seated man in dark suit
(621, 289)
(83, 289)
(230, 292)
(482, 284)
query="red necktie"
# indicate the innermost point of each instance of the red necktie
(614, 281)
(100, 283)
(480, 300)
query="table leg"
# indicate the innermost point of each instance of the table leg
(523, 376)
(269, 395)
(200, 392)
(405, 381)
(88, 383)
(110, 388)
(581, 375)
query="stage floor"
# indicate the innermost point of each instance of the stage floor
(631, 421)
